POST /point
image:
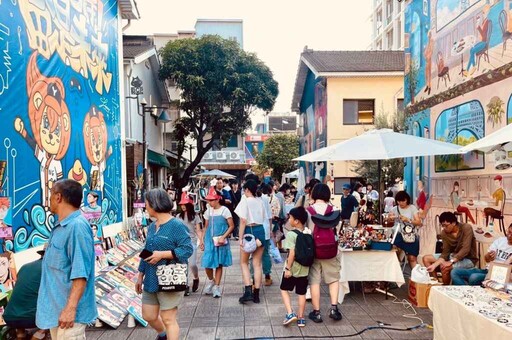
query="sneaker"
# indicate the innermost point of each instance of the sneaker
(289, 318)
(316, 317)
(216, 291)
(187, 291)
(268, 281)
(335, 314)
(209, 286)
(301, 322)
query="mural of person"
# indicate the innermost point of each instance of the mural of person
(499, 197)
(92, 203)
(483, 28)
(457, 204)
(95, 139)
(429, 50)
(50, 124)
(7, 271)
(5, 205)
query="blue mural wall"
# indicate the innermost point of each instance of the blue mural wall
(59, 102)
(313, 108)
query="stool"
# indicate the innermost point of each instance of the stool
(501, 223)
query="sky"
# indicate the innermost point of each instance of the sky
(276, 30)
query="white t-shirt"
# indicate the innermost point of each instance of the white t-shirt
(266, 223)
(252, 210)
(222, 211)
(357, 196)
(192, 227)
(320, 208)
(502, 248)
(408, 212)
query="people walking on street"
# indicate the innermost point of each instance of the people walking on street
(267, 225)
(215, 242)
(168, 240)
(66, 302)
(327, 266)
(193, 222)
(252, 215)
(237, 196)
(295, 275)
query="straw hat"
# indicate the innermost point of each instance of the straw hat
(212, 195)
(185, 199)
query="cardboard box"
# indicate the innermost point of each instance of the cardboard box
(418, 293)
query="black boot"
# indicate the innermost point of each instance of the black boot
(195, 285)
(256, 295)
(247, 295)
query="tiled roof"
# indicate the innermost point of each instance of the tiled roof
(355, 61)
(131, 51)
(342, 62)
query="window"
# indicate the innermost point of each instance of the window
(389, 37)
(399, 34)
(389, 10)
(358, 111)
(400, 105)
(233, 142)
(154, 172)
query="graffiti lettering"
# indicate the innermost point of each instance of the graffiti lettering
(73, 30)
(5, 67)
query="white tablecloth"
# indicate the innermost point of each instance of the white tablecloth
(368, 265)
(469, 312)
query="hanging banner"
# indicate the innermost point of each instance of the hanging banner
(59, 109)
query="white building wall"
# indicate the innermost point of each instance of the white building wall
(391, 22)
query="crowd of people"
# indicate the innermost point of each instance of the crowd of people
(258, 215)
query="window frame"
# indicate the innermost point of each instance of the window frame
(358, 118)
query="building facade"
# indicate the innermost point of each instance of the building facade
(458, 80)
(387, 20)
(337, 95)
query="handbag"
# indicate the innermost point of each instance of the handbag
(216, 238)
(172, 277)
(354, 218)
(407, 229)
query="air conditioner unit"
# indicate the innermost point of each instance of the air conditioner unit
(220, 155)
(208, 156)
(234, 156)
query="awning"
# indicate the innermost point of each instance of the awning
(158, 159)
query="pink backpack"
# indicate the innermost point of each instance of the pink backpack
(326, 246)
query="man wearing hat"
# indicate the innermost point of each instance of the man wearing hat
(499, 197)
(348, 203)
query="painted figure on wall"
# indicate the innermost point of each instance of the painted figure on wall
(95, 139)
(429, 50)
(483, 27)
(50, 125)
(499, 196)
(7, 271)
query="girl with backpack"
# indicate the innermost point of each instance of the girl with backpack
(326, 264)
(300, 257)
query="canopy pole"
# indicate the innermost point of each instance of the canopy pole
(379, 170)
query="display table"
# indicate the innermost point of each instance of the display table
(469, 312)
(368, 265)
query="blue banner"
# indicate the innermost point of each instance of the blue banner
(59, 108)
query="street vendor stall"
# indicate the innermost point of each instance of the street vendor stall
(470, 312)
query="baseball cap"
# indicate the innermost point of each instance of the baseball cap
(498, 178)
(346, 186)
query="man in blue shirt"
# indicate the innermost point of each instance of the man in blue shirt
(66, 301)
(348, 203)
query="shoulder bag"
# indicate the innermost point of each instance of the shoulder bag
(407, 229)
(172, 277)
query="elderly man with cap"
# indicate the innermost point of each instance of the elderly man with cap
(499, 197)
(348, 203)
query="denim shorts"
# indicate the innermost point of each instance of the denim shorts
(257, 231)
(464, 263)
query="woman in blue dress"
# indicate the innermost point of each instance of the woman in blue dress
(217, 253)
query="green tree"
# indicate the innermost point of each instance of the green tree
(278, 152)
(393, 168)
(220, 85)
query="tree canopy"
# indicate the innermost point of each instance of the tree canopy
(220, 85)
(278, 152)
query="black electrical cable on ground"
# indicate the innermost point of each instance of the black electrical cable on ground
(380, 326)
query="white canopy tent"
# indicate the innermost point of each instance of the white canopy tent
(493, 141)
(293, 174)
(381, 144)
(214, 173)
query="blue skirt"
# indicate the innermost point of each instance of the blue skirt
(257, 231)
(409, 248)
(215, 257)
